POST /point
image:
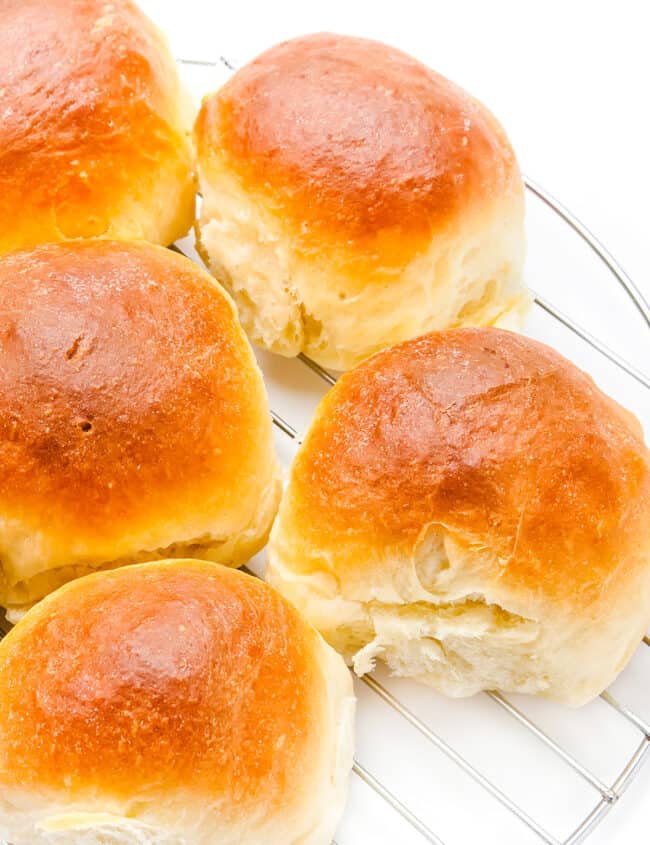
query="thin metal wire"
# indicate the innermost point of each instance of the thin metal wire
(457, 758)
(630, 288)
(284, 426)
(625, 711)
(632, 767)
(620, 785)
(608, 794)
(593, 341)
(396, 804)
(589, 823)
(200, 62)
(316, 368)
(207, 62)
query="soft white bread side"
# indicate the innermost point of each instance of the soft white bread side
(171, 703)
(353, 198)
(470, 509)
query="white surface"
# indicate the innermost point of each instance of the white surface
(569, 82)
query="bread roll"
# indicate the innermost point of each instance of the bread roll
(172, 703)
(353, 198)
(470, 509)
(133, 418)
(95, 130)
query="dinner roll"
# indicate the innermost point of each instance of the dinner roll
(171, 703)
(133, 418)
(353, 198)
(95, 130)
(469, 508)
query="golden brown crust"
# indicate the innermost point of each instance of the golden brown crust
(129, 397)
(495, 437)
(167, 675)
(349, 139)
(91, 125)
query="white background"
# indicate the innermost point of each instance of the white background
(570, 83)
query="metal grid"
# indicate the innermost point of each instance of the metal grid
(606, 794)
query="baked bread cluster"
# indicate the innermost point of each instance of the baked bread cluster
(467, 506)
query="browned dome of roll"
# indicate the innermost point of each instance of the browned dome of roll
(352, 139)
(160, 644)
(133, 417)
(167, 702)
(94, 138)
(493, 435)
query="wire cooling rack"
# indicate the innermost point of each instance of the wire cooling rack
(495, 769)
